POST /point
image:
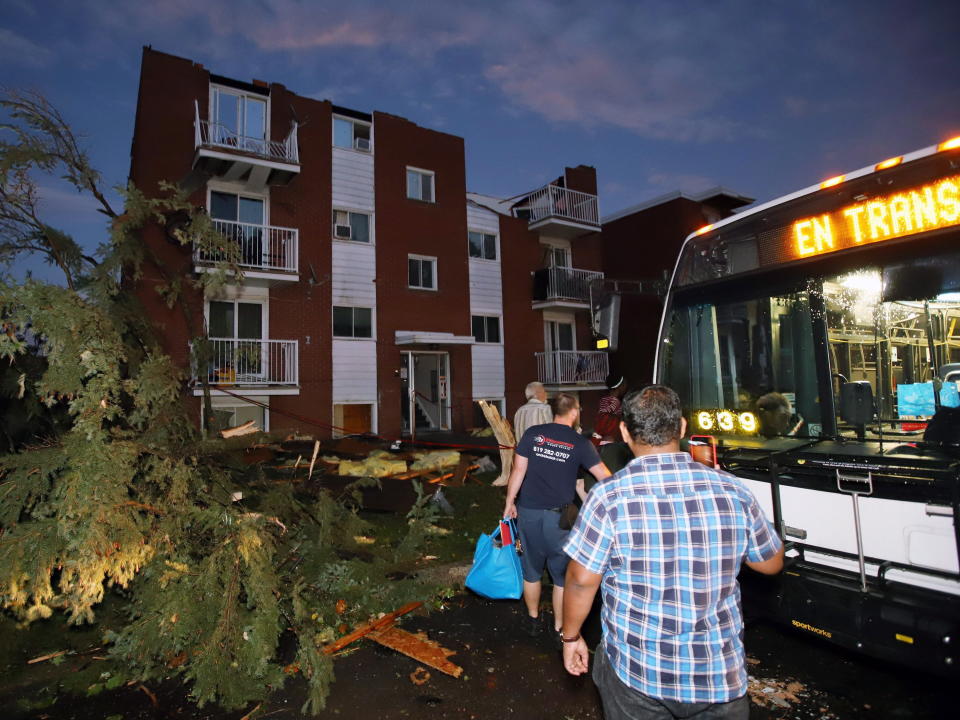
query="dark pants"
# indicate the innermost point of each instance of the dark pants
(624, 703)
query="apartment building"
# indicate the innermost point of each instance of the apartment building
(378, 294)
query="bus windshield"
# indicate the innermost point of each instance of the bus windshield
(749, 357)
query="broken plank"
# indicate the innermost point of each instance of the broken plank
(419, 647)
(247, 428)
(369, 627)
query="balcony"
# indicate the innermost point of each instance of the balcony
(267, 254)
(563, 287)
(560, 212)
(573, 369)
(223, 153)
(242, 365)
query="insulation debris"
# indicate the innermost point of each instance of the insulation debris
(435, 460)
(379, 463)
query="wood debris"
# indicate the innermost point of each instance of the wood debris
(419, 647)
(248, 428)
(504, 434)
(367, 628)
(49, 656)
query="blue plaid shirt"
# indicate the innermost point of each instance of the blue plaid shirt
(668, 536)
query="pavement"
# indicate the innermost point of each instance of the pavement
(508, 674)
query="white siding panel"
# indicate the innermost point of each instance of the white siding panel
(486, 287)
(479, 218)
(354, 371)
(352, 180)
(487, 371)
(354, 270)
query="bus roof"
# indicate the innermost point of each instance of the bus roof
(833, 182)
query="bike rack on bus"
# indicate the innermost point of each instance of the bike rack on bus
(855, 486)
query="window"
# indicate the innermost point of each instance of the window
(235, 319)
(351, 134)
(232, 415)
(238, 120)
(348, 225)
(482, 245)
(421, 272)
(486, 328)
(352, 322)
(420, 185)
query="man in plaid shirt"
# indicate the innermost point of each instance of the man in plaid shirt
(666, 537)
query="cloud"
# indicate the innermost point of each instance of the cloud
(18, 50)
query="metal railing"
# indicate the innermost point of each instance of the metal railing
(555, 201)
(209, 133)
(572, 367)
(262, 247)
(564, 283)
(236, 361)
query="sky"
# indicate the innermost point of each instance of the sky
(763, 97)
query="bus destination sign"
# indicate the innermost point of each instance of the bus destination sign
(927, 207)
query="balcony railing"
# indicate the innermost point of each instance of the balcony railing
(261, 247)
(236, 361)
(554, 201)
(212, 134)
(564, 283)
(573, 367)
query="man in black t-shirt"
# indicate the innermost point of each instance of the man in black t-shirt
(546, 464)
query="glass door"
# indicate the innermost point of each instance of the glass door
(242, 220)
(425, 391)
(240, 121)
(236, 331)
(560, 365)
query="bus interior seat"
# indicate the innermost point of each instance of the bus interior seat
(856, 402)
(949, 372)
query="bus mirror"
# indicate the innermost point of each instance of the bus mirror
(856, 402)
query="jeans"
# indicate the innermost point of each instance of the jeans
(621, 702)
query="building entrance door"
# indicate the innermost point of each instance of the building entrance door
(425, 391)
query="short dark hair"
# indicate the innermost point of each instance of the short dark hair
(652, 415)
(562, 403)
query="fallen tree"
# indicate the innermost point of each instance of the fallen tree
(129, 493)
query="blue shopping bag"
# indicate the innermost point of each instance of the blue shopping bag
(496, 572)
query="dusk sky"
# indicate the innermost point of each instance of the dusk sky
(762, 97)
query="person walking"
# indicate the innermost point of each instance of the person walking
(666, 536)
(546, 465)
(536, 411)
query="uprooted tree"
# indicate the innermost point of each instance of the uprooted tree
(126, 492)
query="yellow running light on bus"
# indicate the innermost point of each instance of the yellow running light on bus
(889, 163)
(951, 144)
(603, 344)
(830, 182)
(705, 229)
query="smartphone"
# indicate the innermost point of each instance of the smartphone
(703, 449)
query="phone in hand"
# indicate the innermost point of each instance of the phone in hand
(703, 449)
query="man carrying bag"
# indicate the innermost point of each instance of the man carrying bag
(547, 461)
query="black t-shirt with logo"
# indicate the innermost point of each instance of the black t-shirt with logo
(554, 455)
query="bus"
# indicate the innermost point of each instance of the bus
(815, 343)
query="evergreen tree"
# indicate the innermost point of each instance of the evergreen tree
(128, 493)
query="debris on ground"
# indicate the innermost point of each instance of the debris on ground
(779, 693)
(369, 627)
(377, 464)
(436, 460)
(419, 647)
(419, 676)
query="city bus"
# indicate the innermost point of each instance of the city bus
(815, 343)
